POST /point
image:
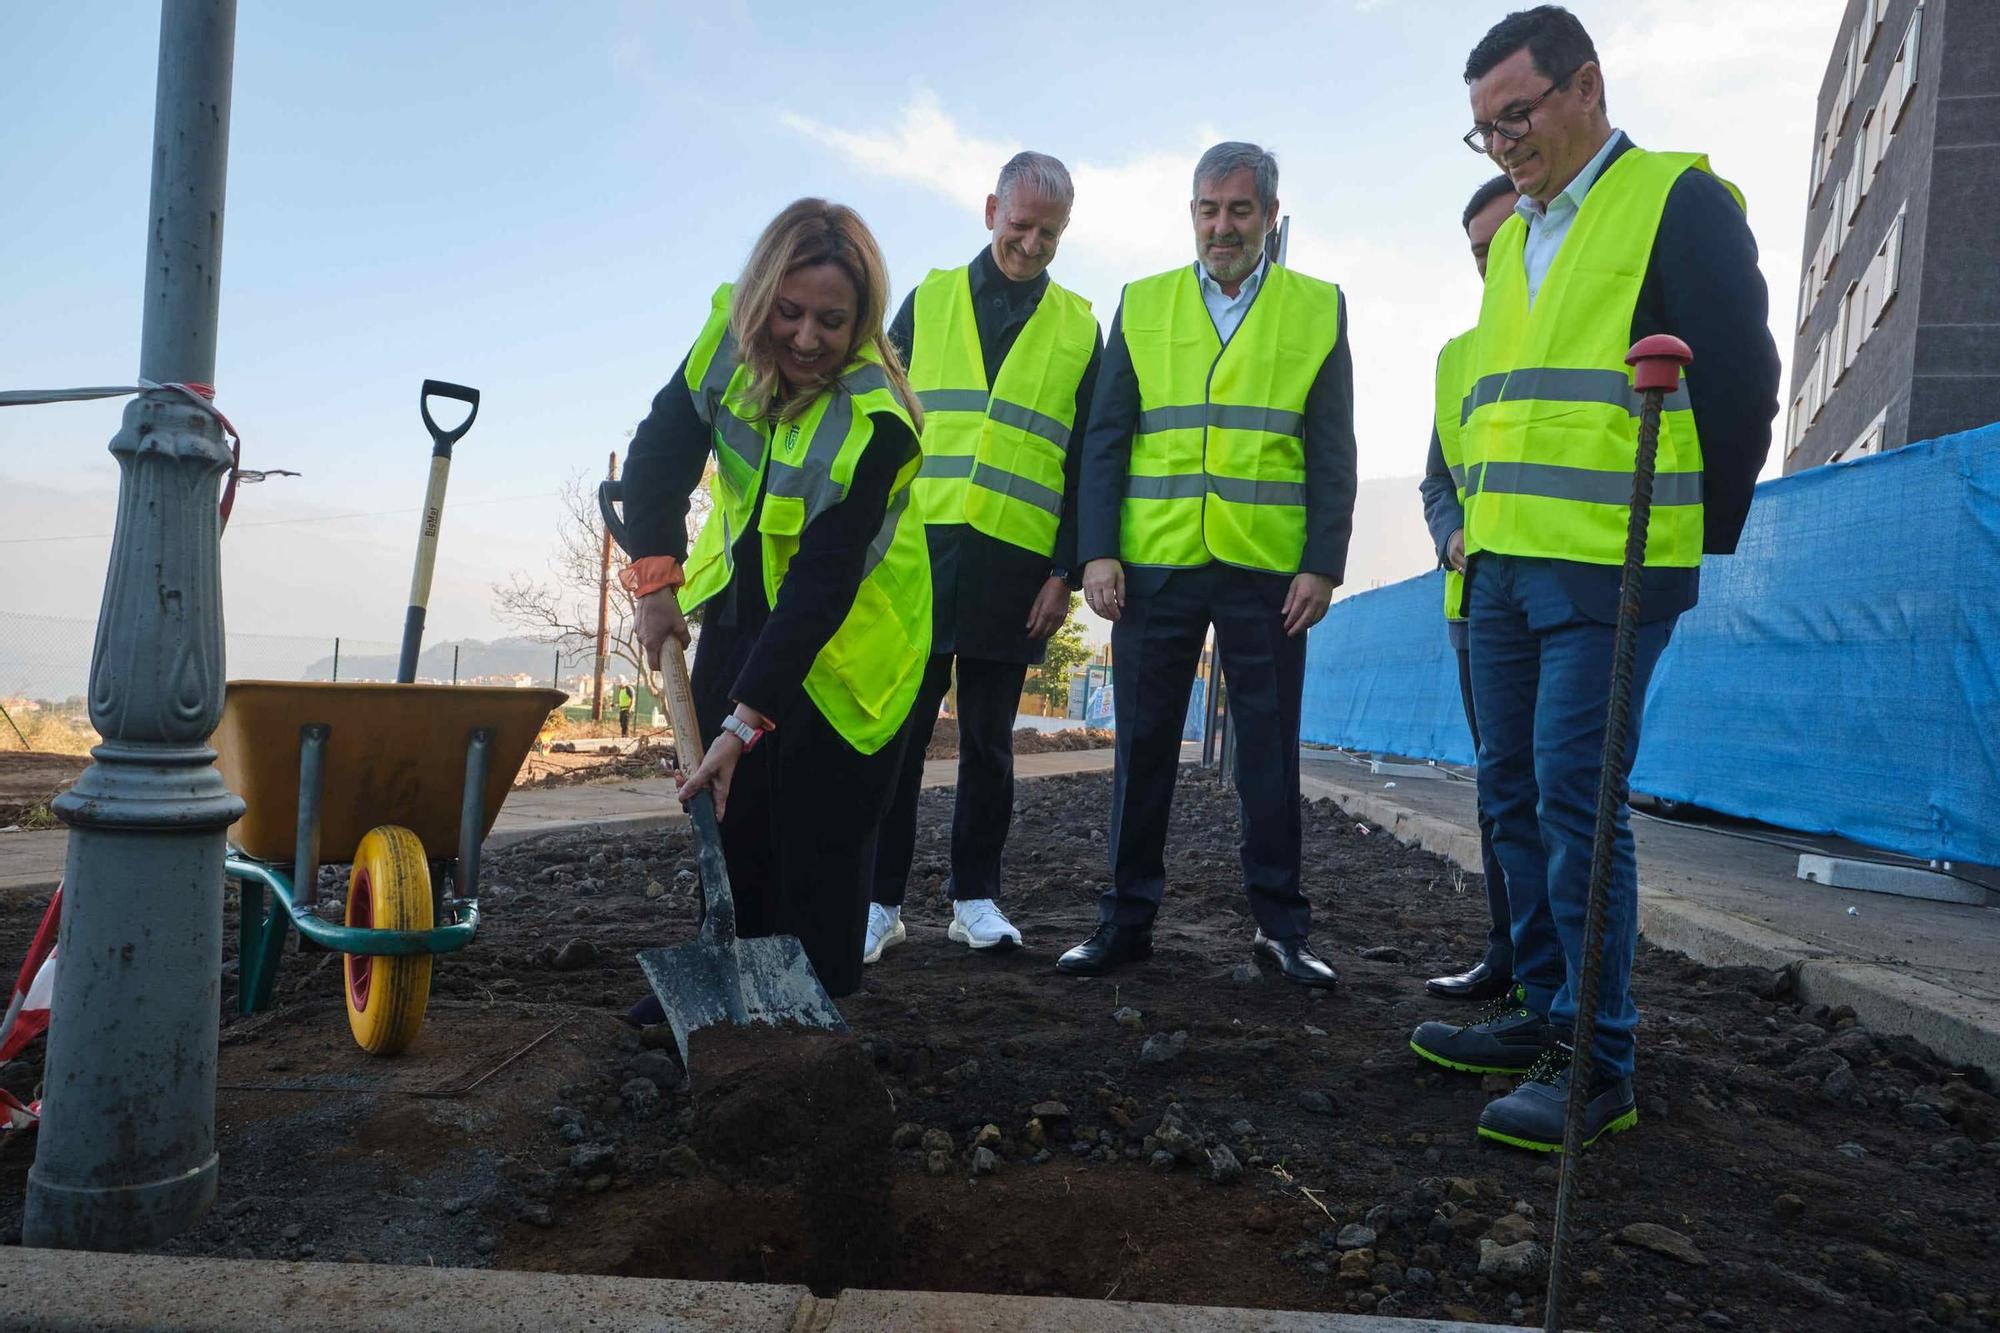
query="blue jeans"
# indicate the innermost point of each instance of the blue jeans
(1541, 675)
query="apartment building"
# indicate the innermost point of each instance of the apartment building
(1898, 308)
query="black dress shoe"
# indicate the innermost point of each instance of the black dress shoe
(1478, 984)
(1111, 947)
(1294, 960)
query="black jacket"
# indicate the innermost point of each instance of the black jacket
(1329, 448)
(1702, 285)
(776, 645)
(981, 587)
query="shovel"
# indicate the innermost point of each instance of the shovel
(427, 529)
(716, 977)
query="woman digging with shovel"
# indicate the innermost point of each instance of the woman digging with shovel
(811, 576)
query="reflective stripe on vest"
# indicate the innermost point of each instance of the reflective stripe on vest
(1453, 370)
(1218, 457)
(1548, 415)
(865, 678)
(993, 458)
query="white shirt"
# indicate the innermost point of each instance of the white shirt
(1548, 226)
(1228, 311)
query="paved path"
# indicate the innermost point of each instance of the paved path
(1719, 895)
(47, 1290)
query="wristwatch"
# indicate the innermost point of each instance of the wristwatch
(743, 731)
(1059, 572)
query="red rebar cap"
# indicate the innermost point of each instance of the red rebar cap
(1656, 362)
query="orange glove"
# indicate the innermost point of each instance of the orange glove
(651, 573)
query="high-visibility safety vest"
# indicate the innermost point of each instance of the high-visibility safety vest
(1218, 468)
(866, 676)
(1451, 380)
(1549, 416)
(993, 455)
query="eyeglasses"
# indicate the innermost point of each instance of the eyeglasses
(1514, 125)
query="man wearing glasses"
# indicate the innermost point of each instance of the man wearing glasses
(1611, 243)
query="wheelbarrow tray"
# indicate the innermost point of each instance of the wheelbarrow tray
(395, 754)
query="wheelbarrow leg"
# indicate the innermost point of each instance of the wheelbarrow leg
(472, 813)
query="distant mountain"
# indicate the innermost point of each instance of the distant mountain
(476, 658)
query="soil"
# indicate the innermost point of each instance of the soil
(33, 778)
(993, 1125)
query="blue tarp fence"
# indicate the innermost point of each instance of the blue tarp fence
(1841, 673)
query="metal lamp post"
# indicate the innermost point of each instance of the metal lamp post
(126, 1156)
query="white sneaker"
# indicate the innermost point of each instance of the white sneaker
(979, 923)
(885, 927)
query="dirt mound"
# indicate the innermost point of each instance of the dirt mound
(1027, 740)
(576, 768)
(32, 778)
(804, 1108)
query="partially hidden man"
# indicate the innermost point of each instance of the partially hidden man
(1443, 491)
(1218, 489)
(1003, 361)
(1611, 243)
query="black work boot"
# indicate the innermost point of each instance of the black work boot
(1506, 1037)
(1531, 1116)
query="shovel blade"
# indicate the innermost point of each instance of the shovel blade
(768, 980)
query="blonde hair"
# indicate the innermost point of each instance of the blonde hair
(806, 233)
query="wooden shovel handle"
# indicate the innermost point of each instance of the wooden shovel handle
(688, 748)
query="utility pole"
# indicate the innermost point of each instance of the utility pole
(126, 1153)
(603, 608)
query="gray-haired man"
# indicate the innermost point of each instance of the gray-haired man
(1004, 361)
(1218, 488)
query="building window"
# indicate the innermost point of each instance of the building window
(1843, 347)
(1890, 258)
(1845, 96)
(1872, 14)
(1857, 181)
(1869, 441)
(1904, 77)
(1816, 382)
(1867, 148)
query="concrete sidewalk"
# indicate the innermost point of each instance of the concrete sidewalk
(1720, 895)
(48, 1290)
(33, 862)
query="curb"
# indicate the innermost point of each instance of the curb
(56, 1291)
(1959, 1029)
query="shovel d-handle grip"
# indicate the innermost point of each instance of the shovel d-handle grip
(610, 495)
(442, 440)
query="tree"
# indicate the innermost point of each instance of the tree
(1066, 652)
(563, 610)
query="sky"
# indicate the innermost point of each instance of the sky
(537, 199)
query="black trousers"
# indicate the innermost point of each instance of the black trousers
(1156, 646)
(624, 722)
(989, 696)
(799, 835)
(1499, 931)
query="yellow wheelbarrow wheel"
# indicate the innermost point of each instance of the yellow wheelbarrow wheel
(388, 889)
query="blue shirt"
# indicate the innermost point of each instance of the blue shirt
(1228, 311)
(1548, 226)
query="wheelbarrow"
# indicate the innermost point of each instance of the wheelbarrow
(402, 783)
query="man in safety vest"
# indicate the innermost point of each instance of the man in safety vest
(1443, 491)
(1218, 488)
(624, 709)
(1004, 361)
(1611, 243)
